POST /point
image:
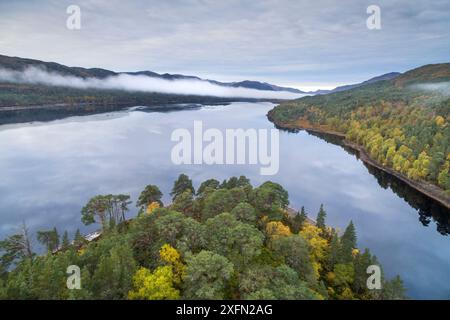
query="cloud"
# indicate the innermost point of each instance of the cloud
(126, 82)
(296, 41)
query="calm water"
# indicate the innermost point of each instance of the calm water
(48, 170)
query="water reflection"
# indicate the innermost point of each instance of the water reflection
(427, 208)
(49, 170)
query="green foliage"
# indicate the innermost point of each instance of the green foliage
(400, 125)
(207, 274)
(150, 194)
(106, 209)
(269, 199)
(230, 241)
(182, 184)
(321, 216)
(49, 238)
(244, 212)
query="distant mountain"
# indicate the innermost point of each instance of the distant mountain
(262, 86)
(20, 64)
(387, 76)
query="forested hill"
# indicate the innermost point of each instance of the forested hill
(226, 240)
(402, 123)
(17, 93)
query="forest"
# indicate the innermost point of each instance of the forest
(402, 123)
(225, 240)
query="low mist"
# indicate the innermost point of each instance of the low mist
(440, 87)
(33, 75)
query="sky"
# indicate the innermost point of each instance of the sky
(303, 44)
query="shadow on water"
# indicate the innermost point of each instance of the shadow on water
(51, 113)
(427, 208)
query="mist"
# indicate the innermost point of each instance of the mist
(440, 87)
(142, 83)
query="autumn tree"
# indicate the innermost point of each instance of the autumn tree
(150, 194)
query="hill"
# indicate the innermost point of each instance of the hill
(225, 240)
(402, 124)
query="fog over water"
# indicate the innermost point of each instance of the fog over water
(142, 83)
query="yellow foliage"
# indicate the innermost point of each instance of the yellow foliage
(440, 121)
(157, 285)
(317, 245)
(330, 277)
(152, 206)
(355, 252)
(81, 251)
(276, 229)
(171, 256)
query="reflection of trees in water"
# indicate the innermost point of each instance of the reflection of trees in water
(50, 114)
(427, 208)
(57, 113)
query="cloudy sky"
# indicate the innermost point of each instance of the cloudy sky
(305, 44)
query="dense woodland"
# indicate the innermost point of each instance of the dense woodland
(226, 240)
(402, 123)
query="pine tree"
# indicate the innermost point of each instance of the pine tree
(299, 220)
(182, 184)
(320, 222)
(79, 239)
(65, 241)
(348, 243)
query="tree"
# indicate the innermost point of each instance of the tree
(207, 274)
(79, 240)
(107, 209)
(276, 229)
(267, 282)
(298, 220)
(217, 202)
(270, 198)
(348, 243)
(320, 222)
(151, 207)
(150, 194)
(293, 250)
(156, 285)
(239, 242)
(172, 257)
(184, 203)
(182, 184)
(15, 248)
(394, 289)
(244, 212)
(317, 246)
(112, 278)
(49, 238)
(65, 243)
(211, 184)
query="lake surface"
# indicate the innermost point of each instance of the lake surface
(49, 170)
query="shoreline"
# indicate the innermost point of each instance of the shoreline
(431, 191)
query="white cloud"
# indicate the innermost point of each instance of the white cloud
(139, 83)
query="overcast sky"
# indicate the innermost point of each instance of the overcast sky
(306, 44)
